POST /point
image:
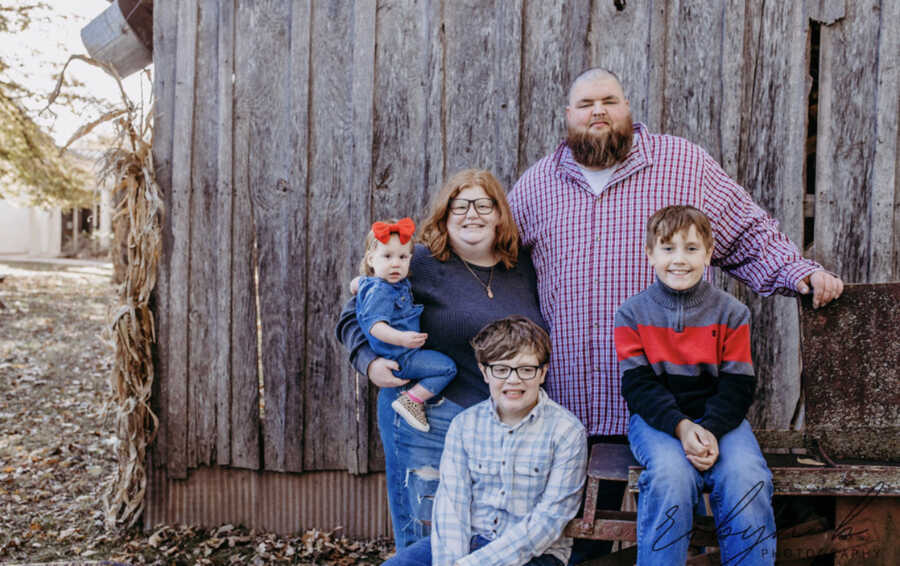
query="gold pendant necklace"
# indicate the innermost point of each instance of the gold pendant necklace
(487, 287)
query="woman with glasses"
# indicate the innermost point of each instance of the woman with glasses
(467, 271)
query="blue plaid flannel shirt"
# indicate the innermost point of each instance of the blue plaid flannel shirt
(517, 486)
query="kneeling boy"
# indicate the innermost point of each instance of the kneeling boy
(687, 377)
(513, 465)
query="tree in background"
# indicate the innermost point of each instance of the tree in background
(32, 171)
(40, 60)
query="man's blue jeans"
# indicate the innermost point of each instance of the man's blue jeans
(411, 463)
(419, 554)
(670, 488)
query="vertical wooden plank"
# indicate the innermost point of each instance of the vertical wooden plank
(631, 43)
(276, 197)
(826, 11)
(554, 51)
(406, 145)
(693, 88)
(360, 178)
(481, 86)
(506, 82)
(330, 197)
(204, 250)
(434, 172)
(222, 289)
(165, 26)
(885, 212)
(298, 248)
(700, 93)
(268, 188)
(406, 120)
(731, 78)
(245, 401)
(774, 115)
(177, 365)
(845, 143)
(656, 79)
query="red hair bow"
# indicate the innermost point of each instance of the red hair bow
(404, 228)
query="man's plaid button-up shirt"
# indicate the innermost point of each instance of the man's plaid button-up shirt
(588, 252)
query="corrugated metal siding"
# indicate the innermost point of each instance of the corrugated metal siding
(277, 502)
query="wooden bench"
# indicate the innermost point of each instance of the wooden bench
(795, 472)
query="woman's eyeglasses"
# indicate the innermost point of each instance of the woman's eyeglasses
(460, 206)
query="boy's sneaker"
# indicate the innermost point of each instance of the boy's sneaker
(413, 413)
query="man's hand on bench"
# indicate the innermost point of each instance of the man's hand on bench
(699, 445)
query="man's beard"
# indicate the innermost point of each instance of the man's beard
(603, 149)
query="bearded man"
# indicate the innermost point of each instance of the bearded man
(582, 211)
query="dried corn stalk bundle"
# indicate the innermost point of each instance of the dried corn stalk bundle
(129, 165)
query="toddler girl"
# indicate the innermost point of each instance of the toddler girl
(390, 320)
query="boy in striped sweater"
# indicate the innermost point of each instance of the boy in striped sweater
(687, 378)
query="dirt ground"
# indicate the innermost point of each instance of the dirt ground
(57, 442)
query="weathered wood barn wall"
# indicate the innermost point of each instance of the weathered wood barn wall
(284, 128)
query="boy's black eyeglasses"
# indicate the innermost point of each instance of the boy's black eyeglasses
(460, 206)
(501, 371)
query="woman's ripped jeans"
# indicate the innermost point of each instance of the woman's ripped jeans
(411, 460)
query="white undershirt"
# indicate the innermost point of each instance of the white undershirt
(597, 179)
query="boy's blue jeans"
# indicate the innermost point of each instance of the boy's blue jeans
(670, 488)
(419, 554)
(429, 368)
(411, 463)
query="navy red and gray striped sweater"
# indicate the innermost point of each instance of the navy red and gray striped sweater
(685, 355)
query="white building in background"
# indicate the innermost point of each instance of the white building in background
(30, 231)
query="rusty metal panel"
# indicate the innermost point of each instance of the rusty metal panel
(851, 372)
(871, 528)
(284, 503)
